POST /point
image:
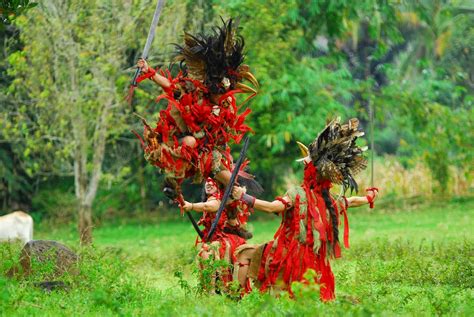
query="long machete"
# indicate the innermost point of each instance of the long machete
(149, 40)
(195, 225)
(372, 148)
(180, 201)
(151, 35)
(229, 188)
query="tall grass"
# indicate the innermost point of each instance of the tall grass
(397, 182)
(416, 181)
(378, 277)
(404, 263)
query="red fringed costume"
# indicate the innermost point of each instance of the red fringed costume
(192, 135)
(225, 243)
(309, 232)
(304, 240)
(190, 112)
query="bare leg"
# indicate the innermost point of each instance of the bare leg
(243, 261)
(205, 253)
(189, 141)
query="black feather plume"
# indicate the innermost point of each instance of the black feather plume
(336, 155)
(213, 57)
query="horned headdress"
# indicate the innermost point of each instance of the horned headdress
(336, 155)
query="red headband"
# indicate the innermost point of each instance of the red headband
(210, 180)
(218, 193)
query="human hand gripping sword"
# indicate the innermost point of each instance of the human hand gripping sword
(149, 40)
(180, 201)
(229, 187)
(133, 84)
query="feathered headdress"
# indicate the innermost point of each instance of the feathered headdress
(217, 59)
(336, 155)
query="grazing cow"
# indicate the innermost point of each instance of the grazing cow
(17, 225)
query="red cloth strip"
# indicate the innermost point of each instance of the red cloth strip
(151, 72)
(370, 199)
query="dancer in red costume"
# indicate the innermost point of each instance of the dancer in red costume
(223, 245)
(192, 135)
(309, 232)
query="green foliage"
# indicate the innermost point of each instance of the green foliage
(299, 92)
(183, 284)
(314, 59)
(209, 275)
(56, 205)
(341, 18)
(101, 282)
(307, 289)
(404, 263)
(434, 263)
(10, 9)
(15, 186)
(208, 272)
(436, 122)
(50, 78)
(457, 57)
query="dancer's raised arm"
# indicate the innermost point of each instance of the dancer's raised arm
(157, 78)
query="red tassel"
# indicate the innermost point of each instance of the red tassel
(129, 96)
(142, 143)
(370, 199)
(346, 227)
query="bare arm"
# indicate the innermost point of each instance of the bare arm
(357, 201)
(161, 80)
(157, 78)
(211, 205)
(275, 206)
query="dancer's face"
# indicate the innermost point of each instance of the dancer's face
(210, 188)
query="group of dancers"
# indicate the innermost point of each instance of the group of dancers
(192, 139)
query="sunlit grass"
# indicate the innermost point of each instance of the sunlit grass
(400, 262)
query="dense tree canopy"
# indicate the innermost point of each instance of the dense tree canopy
(62, 94)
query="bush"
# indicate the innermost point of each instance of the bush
(56, 205)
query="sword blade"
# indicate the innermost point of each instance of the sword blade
(151, 36)
(195, 225)
(229, 188)
(151, 32)
(372, 147)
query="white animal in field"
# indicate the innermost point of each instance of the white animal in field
(17, 225)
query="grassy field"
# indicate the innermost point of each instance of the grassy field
(409, 262)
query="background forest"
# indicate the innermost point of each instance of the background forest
(66, 145)
(67, 153)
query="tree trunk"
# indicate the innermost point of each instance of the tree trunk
(83, 88)
(85, 224)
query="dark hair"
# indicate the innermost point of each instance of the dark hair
(332, 213)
